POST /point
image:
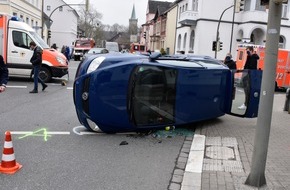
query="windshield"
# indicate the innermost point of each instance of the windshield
(152, 98)
(39, 40)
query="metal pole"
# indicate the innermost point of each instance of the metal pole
(257, 175)
(42, 19)
(218, 27)
(50, 23)
(233, 21)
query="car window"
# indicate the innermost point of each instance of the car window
(94, 51)
(153, 95)
(207, 62)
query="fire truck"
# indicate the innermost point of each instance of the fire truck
(283, 63)
(82, 46)
(136, 47)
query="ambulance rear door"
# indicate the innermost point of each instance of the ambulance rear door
(285, 71)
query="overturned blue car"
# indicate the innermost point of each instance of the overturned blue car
(127, 92)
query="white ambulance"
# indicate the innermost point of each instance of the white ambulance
(15, 36)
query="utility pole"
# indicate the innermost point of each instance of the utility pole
(257, 175)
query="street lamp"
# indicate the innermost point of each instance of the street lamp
(217, 31)
(50, 21)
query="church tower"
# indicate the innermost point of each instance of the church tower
(133, 28)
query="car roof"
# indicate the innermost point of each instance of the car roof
(196, 61)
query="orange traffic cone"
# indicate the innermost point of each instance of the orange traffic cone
(8, 163)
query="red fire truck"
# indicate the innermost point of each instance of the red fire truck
(82, 46)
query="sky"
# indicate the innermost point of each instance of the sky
(118, 11)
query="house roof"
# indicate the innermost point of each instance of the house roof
(161, 10)
(161, 6)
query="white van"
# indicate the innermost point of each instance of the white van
(112, 46)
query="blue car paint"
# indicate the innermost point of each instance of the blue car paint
(202, 92)
(198, 93)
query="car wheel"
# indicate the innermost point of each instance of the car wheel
(45, 74)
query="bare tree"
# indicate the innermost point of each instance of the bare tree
(92, 27)
(90, 21)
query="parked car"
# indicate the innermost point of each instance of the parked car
(128, 92)
(94, 51)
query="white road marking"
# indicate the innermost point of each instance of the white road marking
(48, 132)
(81, 130)
(16, 86)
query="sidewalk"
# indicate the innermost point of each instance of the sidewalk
(227, 153)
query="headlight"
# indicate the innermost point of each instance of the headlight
(95, 64)
(93, 125)
(60, 60)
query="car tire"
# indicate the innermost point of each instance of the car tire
(45, 74)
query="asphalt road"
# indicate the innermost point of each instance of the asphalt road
(55, 156)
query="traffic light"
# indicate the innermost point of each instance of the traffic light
(264, 2)
(214, 46)
(240, 5)
(49, 34)
(220, 45)
(144, 35)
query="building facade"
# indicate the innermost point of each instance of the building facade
(63, 22)
(198, 21)
(30, 11)
(152, 29)
(169, 43)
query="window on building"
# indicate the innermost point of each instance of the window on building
(191, 42)
(32, 23)
(179, 42)
(48, 7)
(195, 5)
(60, 9)
(259, 7)
(184, 41)
(27, 20)
(163, 26)
(158, 28)
(282, 42)
(186, 6)
(154, 28)
(21, 16)
(14, 14)
(284, 10)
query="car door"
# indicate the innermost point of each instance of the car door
(19, 53)
(246, 87)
